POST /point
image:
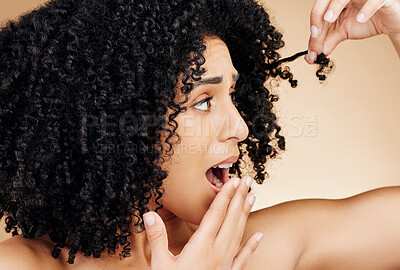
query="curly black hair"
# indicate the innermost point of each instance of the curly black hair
(85, 87)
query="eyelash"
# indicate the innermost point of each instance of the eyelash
(209, 98)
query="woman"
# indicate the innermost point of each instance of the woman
(84, 127)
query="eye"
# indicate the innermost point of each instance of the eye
(233, 97)
(203, 105)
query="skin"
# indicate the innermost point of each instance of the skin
(360, 232)
(380, 17)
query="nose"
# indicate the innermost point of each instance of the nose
(234, 127)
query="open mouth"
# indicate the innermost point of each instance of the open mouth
(217, 176)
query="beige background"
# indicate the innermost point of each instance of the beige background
(343, 136)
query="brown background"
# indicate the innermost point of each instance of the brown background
(343, 136)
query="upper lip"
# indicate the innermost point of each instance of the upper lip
(231, 159)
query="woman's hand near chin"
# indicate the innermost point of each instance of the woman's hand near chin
(215, 243)
(333, 21)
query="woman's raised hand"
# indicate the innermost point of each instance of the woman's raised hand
(215, 243)
(333, 21)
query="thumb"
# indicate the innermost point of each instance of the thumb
(157, 236)
(333, 37)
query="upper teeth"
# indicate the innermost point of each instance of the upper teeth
(225, 165)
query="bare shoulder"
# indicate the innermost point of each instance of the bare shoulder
(21, 253)
(361, 233)
(14, 254)
(313, 233)
(285, 233)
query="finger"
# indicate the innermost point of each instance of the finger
(157, 236)
(389, 3)
(213, 218)
(369, 9)
(317, 27)
(334, 9)
(333, 38)
(235, 211)
(242, 258)
(237, 239)
(315, 46)
(316, 18)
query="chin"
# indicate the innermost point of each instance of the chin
(194, 214)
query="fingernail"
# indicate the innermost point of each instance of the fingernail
(251, 199)
(360, 17)
(314, 31)
(328, 15)
(388, 3)
(259, 237)
(236, 182)
(149, 219)
(248, 181)
(313, 56)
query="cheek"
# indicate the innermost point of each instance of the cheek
(188, 204)
(196, 126)
(186, 195)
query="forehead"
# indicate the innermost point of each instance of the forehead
(218, 59)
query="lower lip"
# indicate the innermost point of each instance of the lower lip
(216, 189)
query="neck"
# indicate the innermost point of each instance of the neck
(178, 232)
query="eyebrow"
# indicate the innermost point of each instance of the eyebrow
(213, 80)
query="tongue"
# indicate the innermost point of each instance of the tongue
(210, 175)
